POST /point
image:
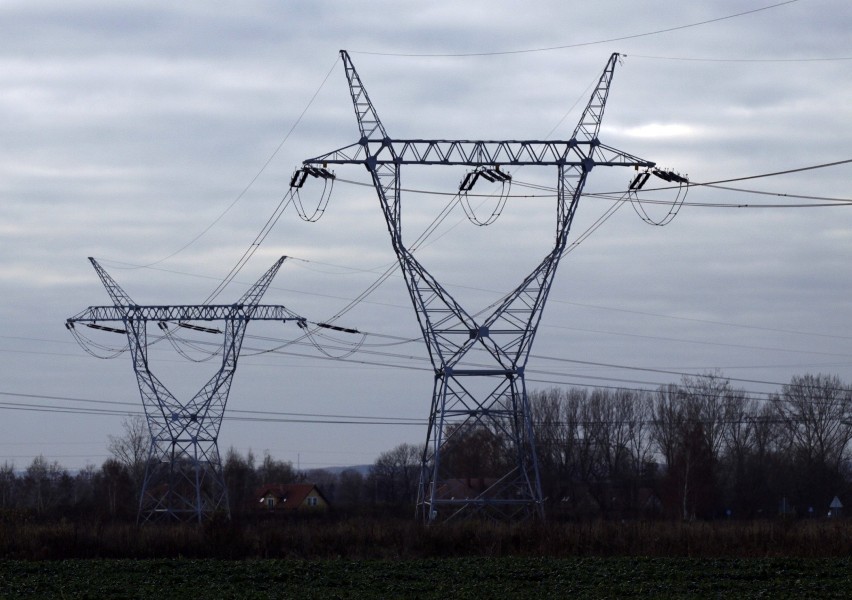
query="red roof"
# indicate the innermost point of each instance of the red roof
(289, 495)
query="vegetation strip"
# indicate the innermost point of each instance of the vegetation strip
(430, 578)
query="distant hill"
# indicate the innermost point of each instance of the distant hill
(362, 469)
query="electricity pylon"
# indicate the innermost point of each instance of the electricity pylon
(183, 477)
(477, 410)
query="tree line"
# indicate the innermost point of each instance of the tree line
(698, 449)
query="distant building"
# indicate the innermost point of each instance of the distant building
(291, 497)
(835, 509)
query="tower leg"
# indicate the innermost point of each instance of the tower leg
(183, 482)
(480, 456)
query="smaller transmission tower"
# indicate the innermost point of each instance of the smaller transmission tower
(183, 478)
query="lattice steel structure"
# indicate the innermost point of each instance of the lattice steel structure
(484, 409)
(183, 478)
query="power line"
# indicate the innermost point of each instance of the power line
(486, 290)
(105, 412)
(744, 60)
(827, 201)
(579, 44)
(590, 230)
(251, 415)
(253, 179)
(617, 196)
(297, 342)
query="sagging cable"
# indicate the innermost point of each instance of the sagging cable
(297, 181)
(674, 208)
(492, 175)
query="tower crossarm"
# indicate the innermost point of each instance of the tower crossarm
(187, 312)
(479, 153)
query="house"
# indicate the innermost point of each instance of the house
(291, 497)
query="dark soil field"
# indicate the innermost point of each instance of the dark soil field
(394, 558)
(512, 577)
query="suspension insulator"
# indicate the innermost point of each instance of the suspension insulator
(670, 176)
(639, 181)
(300, 175)
(298, 178)
(199, 328)
(338, 328)
(492, 175)
(468, 181)
(105, 328)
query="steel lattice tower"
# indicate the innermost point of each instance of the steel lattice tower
(488, 405)
(183, 478)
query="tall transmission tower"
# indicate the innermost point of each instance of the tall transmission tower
(183, 478)
(476, 410)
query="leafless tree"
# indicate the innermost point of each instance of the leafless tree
(710, 400)
(275, 471)
(396, 474)
(241, 479)
(41, 483)
(8, 484)
(350, 488)
(688, 425)
(640, 441)
(669, 420)
(817, 414)
(131, 448)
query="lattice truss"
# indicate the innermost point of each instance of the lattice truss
(480, 455)
(183, 478)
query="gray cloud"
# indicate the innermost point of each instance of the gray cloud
(127, 130)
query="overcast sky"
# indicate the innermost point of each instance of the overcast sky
(130, 129)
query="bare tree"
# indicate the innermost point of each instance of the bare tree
(276, 471)
(131, 448)
(739, 433)
(396, 473)
(669, 420)
(710, 400)
(350, 488)
(546, 409)
(8, 485)
(640, 442)
(41, 484)
(679, 431)
(241, 479)
(115, 489)
(593, 447)
(817, 413)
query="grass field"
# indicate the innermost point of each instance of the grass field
(513, 577)
(377, 539)
(395, 558)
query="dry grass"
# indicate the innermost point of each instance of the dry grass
(403, 538)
